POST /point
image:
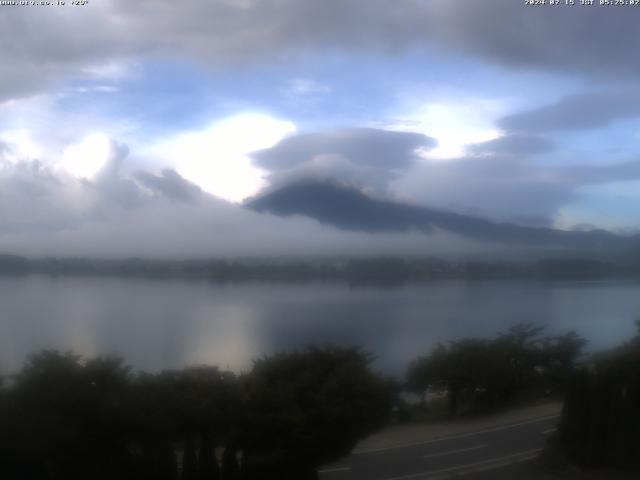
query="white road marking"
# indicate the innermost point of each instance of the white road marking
(548, 431)
(474, 467)
(332, 470)
(455, 437)
(460, 450)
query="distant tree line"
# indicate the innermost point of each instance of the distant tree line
(364, 270)
(480, 375)
(65, 418)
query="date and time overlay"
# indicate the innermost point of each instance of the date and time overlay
(44, 3)
(531, 3)
(584, 3)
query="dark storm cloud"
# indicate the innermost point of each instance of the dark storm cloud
(577, 112)
(514, 144)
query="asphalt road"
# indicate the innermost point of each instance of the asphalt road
(497, 452)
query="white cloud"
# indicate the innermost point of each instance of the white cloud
(21, 145)
(47, 213)
(113, 71)
(453, 125)
(99, 89)
(86, 158)
(216, 158)
(305, 86)
(38, 127)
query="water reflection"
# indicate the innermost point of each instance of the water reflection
(157, 324)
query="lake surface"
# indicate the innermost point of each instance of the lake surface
(158, 324)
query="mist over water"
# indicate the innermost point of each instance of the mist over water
(164, 324)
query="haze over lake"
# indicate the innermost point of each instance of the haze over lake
(165, 324)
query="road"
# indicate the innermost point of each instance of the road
(494, 452)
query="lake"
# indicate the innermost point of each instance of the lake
(159, 324)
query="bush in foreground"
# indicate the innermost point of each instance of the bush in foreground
(64, 418)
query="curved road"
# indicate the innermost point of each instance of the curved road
(494, 452)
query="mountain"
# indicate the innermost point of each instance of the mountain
(349, 209)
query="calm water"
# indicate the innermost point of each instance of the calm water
(158, 324)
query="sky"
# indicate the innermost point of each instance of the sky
(140, 127)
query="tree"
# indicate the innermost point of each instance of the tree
(311, 407)
(467, 367)
(230, 467)
(70, 415)
(488, 373)
(196, 407)
(69, 418)
(559, 357)
(600, 422)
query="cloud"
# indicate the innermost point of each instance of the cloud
(228, 35)
(170, 185)
(496, 180)
(253, 28)
(601, 174)
(4, 149)
(365, 146)
(454, 123)
(357, 155)
(40, 62)
(98, 89)
(48, 212)
(217, 156)
(506, 188)
(513, 144)
(33, 198)
(596, 40)
(214, 32)
(305, 86)
(86, 158)
(576, 112)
